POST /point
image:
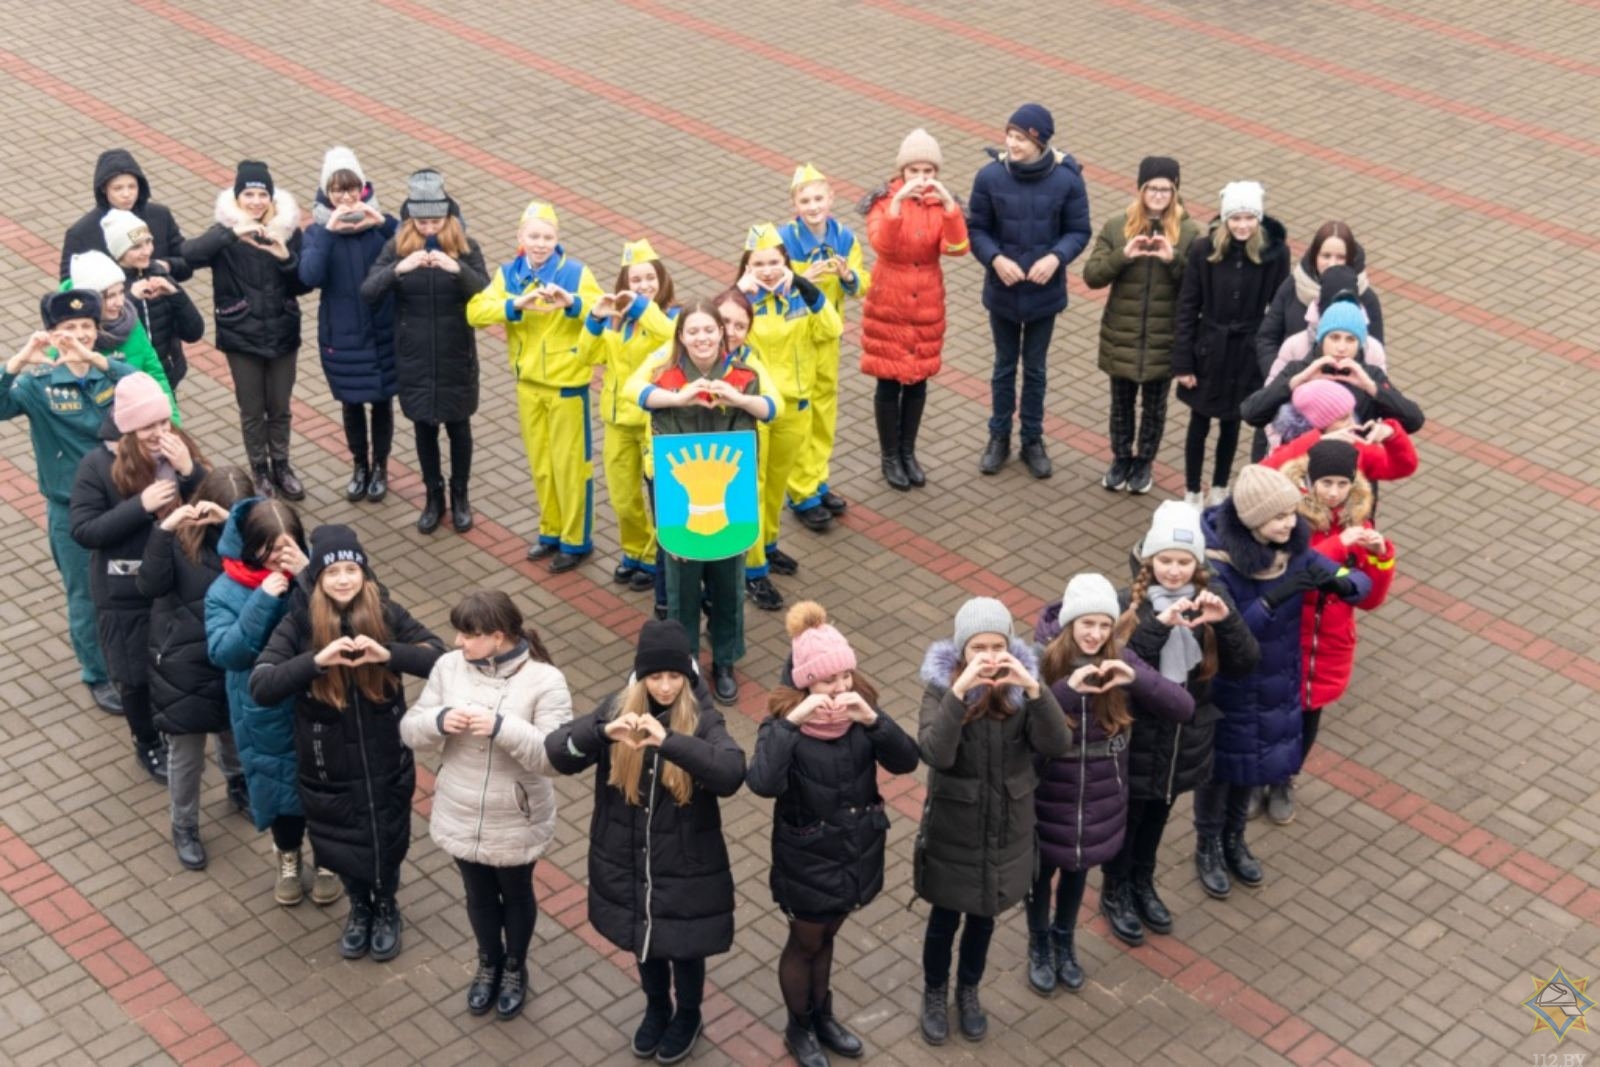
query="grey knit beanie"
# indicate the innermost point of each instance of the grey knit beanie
(1089, 594)
(981, 615)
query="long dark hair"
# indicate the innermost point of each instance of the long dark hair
(224, 487)
(487, 611)
(664, 287)
(133, 470)
(693, 307)
(264, 523)
(1110, 708)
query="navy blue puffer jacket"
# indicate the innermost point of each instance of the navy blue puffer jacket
(355, 339)
(1026, 212)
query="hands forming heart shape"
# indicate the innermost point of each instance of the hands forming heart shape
(1106, 676)
(636, 731)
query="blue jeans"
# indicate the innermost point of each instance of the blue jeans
(1030, 342)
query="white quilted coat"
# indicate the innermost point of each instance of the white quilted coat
(494, 802)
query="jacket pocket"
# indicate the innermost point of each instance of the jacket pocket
(957, 790)
(520, 794)
(234, 311)
(1020, 786)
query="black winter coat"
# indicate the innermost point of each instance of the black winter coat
(1286, 315)
(187, 691)
(829, 826)
(1220, 307)
(1261, 407)
(255, 297)
(85, 235)
(115, 530)
(1166, 759)
(660, 883)
(356, 776)
(169, 321)
(436, 350)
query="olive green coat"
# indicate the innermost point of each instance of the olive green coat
(1137, 327)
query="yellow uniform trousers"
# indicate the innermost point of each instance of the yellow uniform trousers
(783, 442)
(809, 480)
(624, 455)
(555, 431)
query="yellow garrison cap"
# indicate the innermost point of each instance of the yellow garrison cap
(762, 235)
(539, 209)
(637, 252)
(805, 174)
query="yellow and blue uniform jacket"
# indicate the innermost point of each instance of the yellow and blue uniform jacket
(644, 329)
(805, 248)
(543, 346)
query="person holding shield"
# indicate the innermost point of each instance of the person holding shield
(697, 387)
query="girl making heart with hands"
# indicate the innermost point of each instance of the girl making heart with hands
(1082, 798)
(818, 756)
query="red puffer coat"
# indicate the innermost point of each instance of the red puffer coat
(902, 323)
(1328, 624)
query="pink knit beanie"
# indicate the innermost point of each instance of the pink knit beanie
(820, 651)
(139, 403)
(1323, 403)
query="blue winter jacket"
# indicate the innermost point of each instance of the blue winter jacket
(1258, 737)
(1027, 212)
(239, 620)
(354, 338)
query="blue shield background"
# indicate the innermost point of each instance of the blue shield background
(672, 499)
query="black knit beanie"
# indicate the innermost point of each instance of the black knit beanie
(1331, 459)
(663, 646)
(334, 544)
(252, 174)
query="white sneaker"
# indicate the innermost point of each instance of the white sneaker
(1195, 500)
(1218, 494)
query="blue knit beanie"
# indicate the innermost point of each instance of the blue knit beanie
(1034, 120)
(1346, 316)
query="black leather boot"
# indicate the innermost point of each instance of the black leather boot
(288, 482)
(484, 988)
(1069, 972)
(1208, 864)
(1116, 904)
(513, 990)
(653, 1027)
(460, 507)
(887, 415)
(261, 474)
(357, 939)
(936, 1014)
(386, 927)
(995, 454)
(802, 1043)
(969, 1010)
(1240, 862)
(1152, 911)
(357, 489)
(378, 484)
(832, 1033)
(910, 423)
(1041, 963)
(432, 508)
(1038, 463)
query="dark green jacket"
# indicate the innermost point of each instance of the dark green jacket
(64, 417)
(1137, 326)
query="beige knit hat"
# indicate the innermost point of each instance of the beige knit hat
(919, 147)
(1262, 493)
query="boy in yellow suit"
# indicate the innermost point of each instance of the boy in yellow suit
(621, 332)
(540, 298)
(792, 319)
(826, 253)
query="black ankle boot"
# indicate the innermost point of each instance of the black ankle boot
(832, 1034)
(936, 1014)
(1069, 973)
(1241, 863)
(802, 1043)
(910, 423)
(513, 990)
(357, 938)
(261, 475)
(378, 484)
(887, 415)
(1041, 963)
(1208, 864)
(1152, 911)
(995, 454)
(1116, 904)
(969, 1010)
(432, 508)
(460, 507)
(386, 927)
(485, 986)
(646, 1039)
(357, 489)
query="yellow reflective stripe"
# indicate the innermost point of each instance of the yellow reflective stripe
(1381, 564)
(962, 247)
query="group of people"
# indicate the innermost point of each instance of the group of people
(199, 608)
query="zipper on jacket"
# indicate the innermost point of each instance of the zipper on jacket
(366, 777)
(1144, 319)
(649, 881)
(483, 793)
(1172, 768)
(1083, 775)
(1311, 658)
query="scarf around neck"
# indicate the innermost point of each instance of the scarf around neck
(826, 725)
(1181, 654)
(114, 335)
(241, 572)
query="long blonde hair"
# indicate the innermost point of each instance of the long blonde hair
(1222, 239)
(1138, 224)
(627, 763)
(365, 616)
(452, 238)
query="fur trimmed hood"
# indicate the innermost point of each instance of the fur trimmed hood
(1357, 508)
(939, 668)
(1274, 240)
(284, 223)
(1230, 541)
(322, 207)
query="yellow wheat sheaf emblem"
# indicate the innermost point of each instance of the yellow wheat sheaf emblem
(705, 488)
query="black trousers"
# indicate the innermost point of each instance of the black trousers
(262, 387)
(1147, 822)
(501, 908)
(660, 979)
(1194, 451)
(355, 432)
(1220, 807)
(361, 889)
(939, 940)
(1309, 724)
(1127, 442)
(429, 459)
(136, 709)
(1068, 895)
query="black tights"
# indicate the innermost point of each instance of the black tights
(661, 978)
(429, 459)
(890, 391)
(1194, 451)
(1309, 722)
(288, 832)
(500, 902)
(940, 938)
(806, 963)
(355, 432)
(1069, 898)
(136, 708)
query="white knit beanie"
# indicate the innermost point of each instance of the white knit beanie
(340, 158)
(1243, 198)
(95, 271)
(919, 147)
(1089, 594)
(1174, 527)
(981, 615)
(122, 229)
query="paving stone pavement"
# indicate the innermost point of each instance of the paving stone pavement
(1443, 855)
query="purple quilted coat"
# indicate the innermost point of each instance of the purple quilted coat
(1082, 799)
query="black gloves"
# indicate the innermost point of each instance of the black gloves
(1301, 581)
(808, 291)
